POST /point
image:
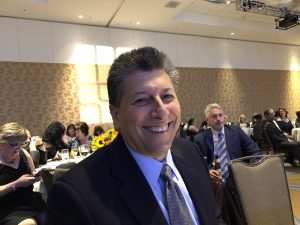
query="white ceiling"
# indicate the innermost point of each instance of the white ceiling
(194, 17)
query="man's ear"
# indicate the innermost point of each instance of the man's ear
(114, 112)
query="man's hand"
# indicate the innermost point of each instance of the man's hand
(215, 175)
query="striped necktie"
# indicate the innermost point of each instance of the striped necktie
(177, 208)
(222, 153)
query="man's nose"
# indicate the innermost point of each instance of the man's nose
(160, 109)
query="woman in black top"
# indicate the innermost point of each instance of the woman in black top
(18, 202)
(284, 122)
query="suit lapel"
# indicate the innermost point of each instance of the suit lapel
(210, 143)
(228, 138)
(192, 181)
(135, 190)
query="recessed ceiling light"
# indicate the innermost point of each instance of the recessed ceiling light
(138, 23)
(231, 33)
(228, 2)
(80, 16)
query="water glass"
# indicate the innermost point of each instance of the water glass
(64, 154)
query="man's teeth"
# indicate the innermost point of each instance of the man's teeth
(158, 129)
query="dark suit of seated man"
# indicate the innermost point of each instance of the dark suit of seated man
(238, 143)
(125, 183)
(280, 140)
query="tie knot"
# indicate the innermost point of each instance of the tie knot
(220, 134)
(166, 173)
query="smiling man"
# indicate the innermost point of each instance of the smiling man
(126, 182)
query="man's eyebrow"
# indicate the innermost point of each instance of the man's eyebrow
(146, 93)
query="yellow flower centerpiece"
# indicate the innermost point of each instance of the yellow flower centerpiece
(104, 139)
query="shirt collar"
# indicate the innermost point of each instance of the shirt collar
(215, 132)
(151, 167)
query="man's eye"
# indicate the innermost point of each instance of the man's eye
(141, 101)
(168, 98)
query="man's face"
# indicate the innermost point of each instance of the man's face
(215, 119)
(149, 114)
(271, 115)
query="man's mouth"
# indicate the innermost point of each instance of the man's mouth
(158, 129)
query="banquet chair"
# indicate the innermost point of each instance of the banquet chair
(268, 146)
(262, 191)
(47, 180)
(62, 169)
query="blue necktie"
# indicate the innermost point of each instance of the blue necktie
(222, 153)
(176, 205)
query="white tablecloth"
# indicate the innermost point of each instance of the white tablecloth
(39, 186)
(296, 134)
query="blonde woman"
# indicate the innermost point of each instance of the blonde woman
(243, 121)
(18, 203)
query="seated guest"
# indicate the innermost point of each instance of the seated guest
(204, 125)
(191, 130)
(70, 133)
(256, 118)
(18, 203)
(231, 138)
(284, 122)
(297, 122)
(38, 151)
(82, 135)
(98, 130)
(218, 145)
(182, 132)
(71, 130)
(53, 139)
(243, 121)
(133, 180)
(257, 133)
(27, 142)
(280, 140)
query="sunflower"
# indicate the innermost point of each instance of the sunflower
(104, 139)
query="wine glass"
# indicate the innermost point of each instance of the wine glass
(84, 150)
(74, 150)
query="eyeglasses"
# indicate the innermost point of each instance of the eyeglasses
(14, 145)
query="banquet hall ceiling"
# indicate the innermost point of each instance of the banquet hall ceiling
(192, 17)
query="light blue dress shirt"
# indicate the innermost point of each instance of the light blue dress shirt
(151, 169)
(215, 134)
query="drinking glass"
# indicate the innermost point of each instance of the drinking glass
(64, 154)
(74, 150)
(84, 150)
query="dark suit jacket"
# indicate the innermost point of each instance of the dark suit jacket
(108, 188)
(275, 135)
(239, 144)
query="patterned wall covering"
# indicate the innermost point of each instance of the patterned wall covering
(35, 94)
(239, 91)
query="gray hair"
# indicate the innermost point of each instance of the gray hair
(12, 130)
(141, 59)
(210, 107)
